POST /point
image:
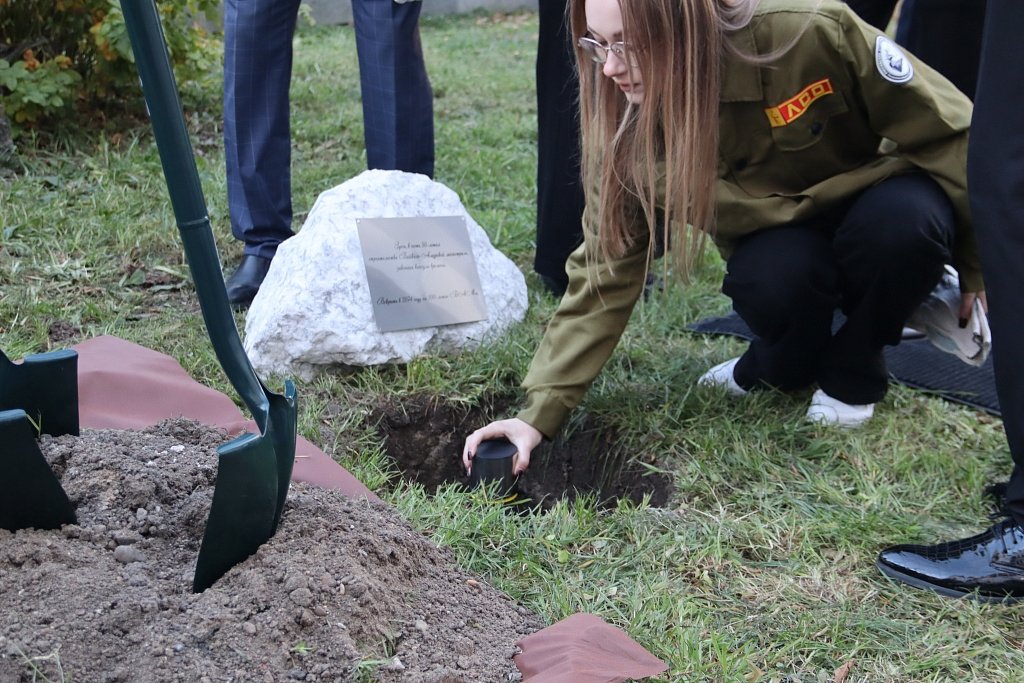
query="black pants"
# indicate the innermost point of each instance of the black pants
(947, 35)
(875, 261)
(875, 12)
(559, 187)
(995, 173)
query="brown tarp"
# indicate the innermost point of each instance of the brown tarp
(122, 385)
(583, 648)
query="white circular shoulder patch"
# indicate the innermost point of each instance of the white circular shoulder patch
(891, 62)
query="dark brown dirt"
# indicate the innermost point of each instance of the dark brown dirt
(61, 331)
(345, 591)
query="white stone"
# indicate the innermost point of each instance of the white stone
(313, 311)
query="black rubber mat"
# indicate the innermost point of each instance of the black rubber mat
(914, 362)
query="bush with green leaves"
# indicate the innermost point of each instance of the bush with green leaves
(56, 54)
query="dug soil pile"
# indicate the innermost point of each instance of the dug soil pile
(345, 591)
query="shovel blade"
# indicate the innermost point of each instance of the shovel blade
(32, 497)
(253, 475)
(283, 421)
(243, 510)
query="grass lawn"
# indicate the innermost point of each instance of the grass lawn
(761, 565)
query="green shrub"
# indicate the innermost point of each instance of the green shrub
(55, 54)
(35, 92)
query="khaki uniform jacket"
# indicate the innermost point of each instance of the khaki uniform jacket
(841, 110)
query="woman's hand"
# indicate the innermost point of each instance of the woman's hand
(523, 436)
(967, 303)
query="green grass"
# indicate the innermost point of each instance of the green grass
(762, 566)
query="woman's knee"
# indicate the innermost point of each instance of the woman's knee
(782, 292)
(904, 218)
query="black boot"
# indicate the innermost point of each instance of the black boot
(246, 280)
(988, 567)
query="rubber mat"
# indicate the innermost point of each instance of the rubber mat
(913, 362)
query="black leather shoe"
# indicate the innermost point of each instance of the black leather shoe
(988, 567)
(246, 280)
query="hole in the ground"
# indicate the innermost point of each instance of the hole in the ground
(425, 438)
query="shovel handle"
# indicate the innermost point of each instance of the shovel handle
(178, 161)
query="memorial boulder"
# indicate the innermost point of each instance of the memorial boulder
(315, 308)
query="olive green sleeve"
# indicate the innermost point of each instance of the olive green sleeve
(582, 334)
(929, 120)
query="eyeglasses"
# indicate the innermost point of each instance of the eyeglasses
(598, 52)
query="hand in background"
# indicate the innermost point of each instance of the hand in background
(967, 303)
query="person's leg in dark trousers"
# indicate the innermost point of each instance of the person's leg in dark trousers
(988, 566)
(398, 108)
(559, 187)
(257, 141)
(878, 13)
(884, 256)
(890, 250)
(783, 284)
(946, 34)
(995, 173)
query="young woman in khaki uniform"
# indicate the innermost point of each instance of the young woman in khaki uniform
(826, 164)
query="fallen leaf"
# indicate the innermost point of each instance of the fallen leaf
(842, 672)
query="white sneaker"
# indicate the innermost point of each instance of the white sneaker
(826, 410)
(722, 376)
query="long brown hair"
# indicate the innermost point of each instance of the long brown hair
(668, 141)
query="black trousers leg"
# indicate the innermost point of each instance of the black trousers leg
(995, 172)
(890, 250)
(875, 12)
(782, 282)
(876, 262)
(559, 187)
(946, 34)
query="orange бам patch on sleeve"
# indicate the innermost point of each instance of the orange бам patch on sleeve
(793, 108)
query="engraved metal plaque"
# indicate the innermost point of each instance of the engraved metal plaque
(421, 272)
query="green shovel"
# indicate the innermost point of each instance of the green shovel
(253, 470)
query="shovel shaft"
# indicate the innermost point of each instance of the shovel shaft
(253, 471)
(178, 161)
